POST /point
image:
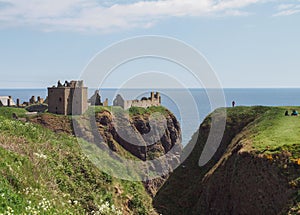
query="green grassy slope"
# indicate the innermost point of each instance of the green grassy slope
(42, 172)
(275, 132)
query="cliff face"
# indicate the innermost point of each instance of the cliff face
(241, 178)
(145, 134)
(131, 132)
(137, 134)
(134, 130)
(134, 133)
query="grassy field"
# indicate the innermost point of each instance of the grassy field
(274, 132)
(42, 172)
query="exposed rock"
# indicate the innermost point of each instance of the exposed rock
(117, 131)
(40, 108)
(133, 134)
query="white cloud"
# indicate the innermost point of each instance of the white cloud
(288, 9)
(287, 12)
(83, 15)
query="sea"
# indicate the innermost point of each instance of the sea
(190, 106)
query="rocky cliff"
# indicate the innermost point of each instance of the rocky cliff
(145, 133)
(135, 132)
(254, 171)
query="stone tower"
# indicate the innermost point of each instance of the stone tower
(69, 98)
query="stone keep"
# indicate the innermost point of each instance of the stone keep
(69, 98)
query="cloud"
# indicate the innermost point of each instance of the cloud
(287, 12)
(288, 9)
(92, 15)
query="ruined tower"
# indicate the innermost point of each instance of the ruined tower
(153, 100)
(69, 98)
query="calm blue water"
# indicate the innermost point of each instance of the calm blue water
(189, 106)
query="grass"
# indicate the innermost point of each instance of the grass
(150, 110)
(42, 172)
(133, 111)
(7, 112)
(275, 132)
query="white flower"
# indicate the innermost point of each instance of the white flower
(40, 155)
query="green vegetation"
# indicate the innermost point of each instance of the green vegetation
(274, 132)
(132, 111)
(154, 109)
(260, 151)
(271, 131)
(42, 172)
(8, 112)
(97, 109)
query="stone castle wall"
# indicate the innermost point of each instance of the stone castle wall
(78, 101)
(153, 100)
(57, 100)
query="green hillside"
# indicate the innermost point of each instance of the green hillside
(256, 169)
(42, 172)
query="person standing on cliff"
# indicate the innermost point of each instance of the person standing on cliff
(233, 103)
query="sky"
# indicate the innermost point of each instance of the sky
(248, 43)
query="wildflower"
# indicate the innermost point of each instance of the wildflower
(42, 156)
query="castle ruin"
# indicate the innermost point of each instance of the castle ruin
(153, 100)
(95, 100)
(68, 98)
(71, 98)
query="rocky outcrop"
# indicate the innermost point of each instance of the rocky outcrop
(153, 134)
(146, 136)
(39, 108)
(132, 133)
